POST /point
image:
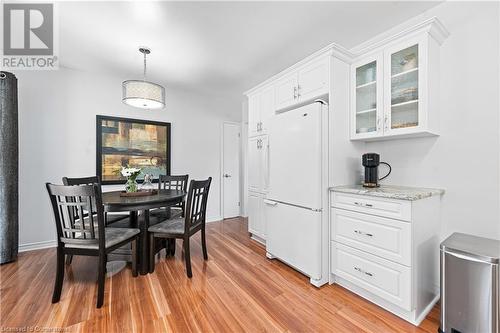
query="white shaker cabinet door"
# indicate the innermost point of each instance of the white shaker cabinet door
(313, 80)
(254, 164)
(286, 91)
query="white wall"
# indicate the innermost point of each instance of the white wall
(57, 111)
(464, 159)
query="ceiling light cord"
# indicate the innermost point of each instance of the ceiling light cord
(144, 66)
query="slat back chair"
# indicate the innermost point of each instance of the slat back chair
(108, 219)
(79, 217)
(177, 182)
(197, 205)
(184, 228)
(78, 213)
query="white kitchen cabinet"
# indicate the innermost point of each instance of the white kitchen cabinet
(258, 164)
(313, 80)
(387, 249)
(304, 84)
(286, 91)
(394, 89)
(260, 110)
(256, 219)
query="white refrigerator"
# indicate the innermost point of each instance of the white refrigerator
(293, 206)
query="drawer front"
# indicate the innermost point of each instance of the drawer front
(387, 238)
(395, 209)
(383, 278)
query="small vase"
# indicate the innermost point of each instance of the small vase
(131, 185)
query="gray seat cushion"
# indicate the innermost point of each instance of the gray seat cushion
(113, 236)
(173, 226)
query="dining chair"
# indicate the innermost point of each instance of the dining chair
(185, 227)
(81, 230)
(108, 219)
(169, 182)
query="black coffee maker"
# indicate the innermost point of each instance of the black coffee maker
(371, 161)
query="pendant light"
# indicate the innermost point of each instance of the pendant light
(141, 93)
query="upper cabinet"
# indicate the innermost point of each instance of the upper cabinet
(260, 109)
(394, 89)
(305, 83)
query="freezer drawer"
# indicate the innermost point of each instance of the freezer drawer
(294, 236)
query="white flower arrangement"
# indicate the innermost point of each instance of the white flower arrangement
(130, 172)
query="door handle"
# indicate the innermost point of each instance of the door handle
(294, 92)
(270, 203)
(226, 175)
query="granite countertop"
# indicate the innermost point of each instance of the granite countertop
(390, 191)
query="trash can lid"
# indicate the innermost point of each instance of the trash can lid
(479, 248)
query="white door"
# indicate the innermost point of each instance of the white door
(295, 152)
(313, 80)
(231, 170)
(294, 236)
(255, 213)
(254, 164)
(253, 114)
(266, 108)
(286, 91)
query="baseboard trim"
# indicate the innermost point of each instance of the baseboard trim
(37, 245)
(213, 219)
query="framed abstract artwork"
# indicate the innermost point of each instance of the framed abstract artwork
(131, 142)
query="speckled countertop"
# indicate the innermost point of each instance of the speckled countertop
(390, 191)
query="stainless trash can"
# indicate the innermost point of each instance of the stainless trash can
(470, 282)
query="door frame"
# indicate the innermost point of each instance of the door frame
(221, 177)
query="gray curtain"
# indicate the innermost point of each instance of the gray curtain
(9, 225)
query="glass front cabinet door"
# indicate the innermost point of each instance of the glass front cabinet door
(395, 90)
(404, 75)
(366, 98)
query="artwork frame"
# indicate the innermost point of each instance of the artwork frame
(101, 151)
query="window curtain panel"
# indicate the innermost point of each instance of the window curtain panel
(9, 224)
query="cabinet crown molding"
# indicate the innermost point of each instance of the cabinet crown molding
(432, 26)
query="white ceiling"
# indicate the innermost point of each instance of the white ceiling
(219, 48)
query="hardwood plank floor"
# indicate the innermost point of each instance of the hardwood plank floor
(237, 290)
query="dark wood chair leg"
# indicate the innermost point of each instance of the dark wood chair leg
(69, 259)
(187, 256)
(59, 276)
(204, 244)
(134, 257)
(101, 277)
(151, 253)
(172, 247)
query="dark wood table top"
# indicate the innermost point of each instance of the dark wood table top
(113, 202)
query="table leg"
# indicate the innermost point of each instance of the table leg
(144, 243)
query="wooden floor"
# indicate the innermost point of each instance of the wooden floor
(236, 290)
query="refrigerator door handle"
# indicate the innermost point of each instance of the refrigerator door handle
(270, 203)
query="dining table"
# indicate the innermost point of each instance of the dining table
(139, 208)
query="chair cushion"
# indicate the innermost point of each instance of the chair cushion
(113, 236)
(172, 226)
